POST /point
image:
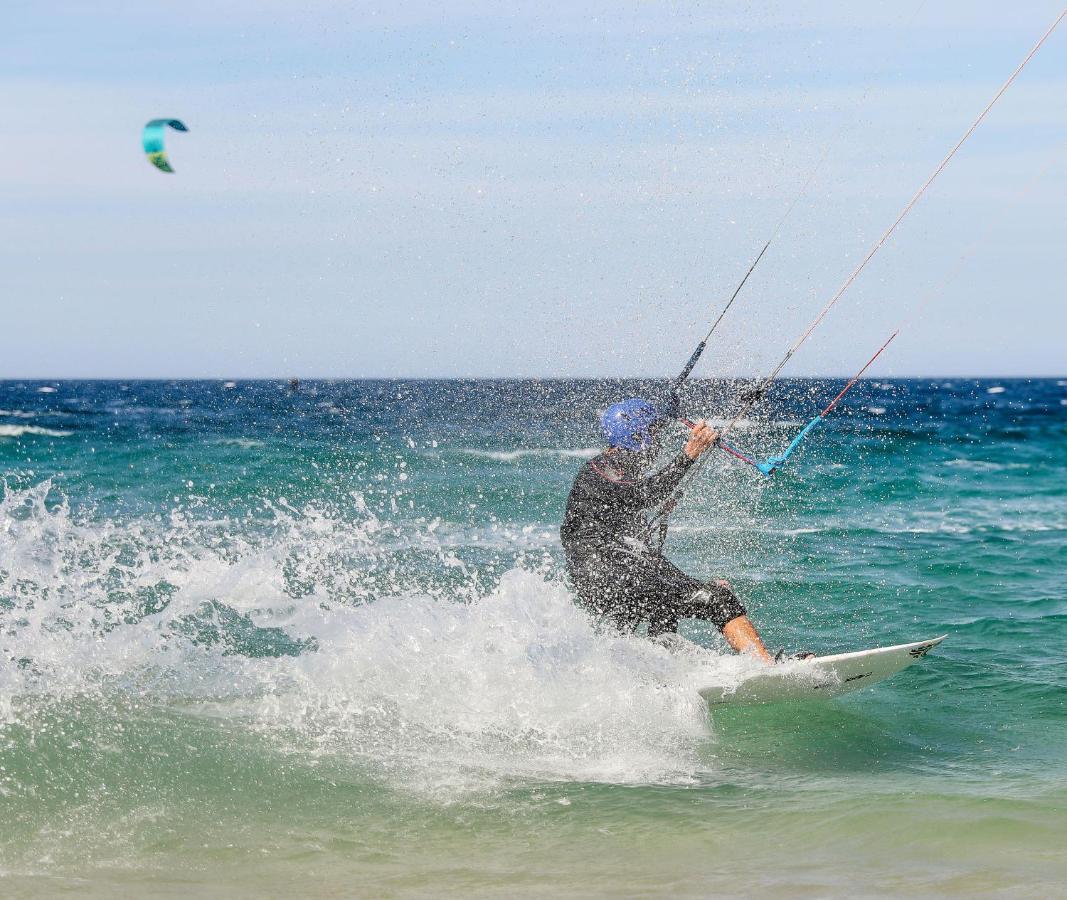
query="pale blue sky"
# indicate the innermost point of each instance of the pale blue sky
(543, 189)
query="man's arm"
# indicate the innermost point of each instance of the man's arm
(657, 488)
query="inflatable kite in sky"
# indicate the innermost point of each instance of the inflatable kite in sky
(152, 138)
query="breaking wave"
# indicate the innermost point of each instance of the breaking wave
(313, 630)
(15, 431)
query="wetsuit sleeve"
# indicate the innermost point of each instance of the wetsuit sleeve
(657, 488)
(605, 504)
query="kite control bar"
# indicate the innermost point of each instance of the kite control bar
(773, 463)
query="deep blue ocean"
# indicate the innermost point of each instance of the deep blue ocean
(259, 639)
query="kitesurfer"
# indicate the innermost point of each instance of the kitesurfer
(612, 564)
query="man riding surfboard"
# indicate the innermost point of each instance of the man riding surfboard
(610, 559)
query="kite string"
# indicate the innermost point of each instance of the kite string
(918, 308)
(852, 381)
(749, 404)
(768, 466)
(660, 517)
(800, 195)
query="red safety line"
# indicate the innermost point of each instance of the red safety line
(856, 377)
(733, 452)
(720, 444)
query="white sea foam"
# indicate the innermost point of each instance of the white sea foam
(975, 519)
(243, 443)
(997, 389)
(876, 410)
(14, 431)
(683, 527)
(128, 408)
(442, 689)
(46, 390)
(517, 684)
(1023, 526)
(18, 414)
(514, 455)
(981, 465)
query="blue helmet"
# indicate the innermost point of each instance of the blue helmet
(628, 425)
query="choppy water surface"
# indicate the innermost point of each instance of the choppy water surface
(258, 641)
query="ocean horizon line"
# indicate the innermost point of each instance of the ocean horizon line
(267, 379)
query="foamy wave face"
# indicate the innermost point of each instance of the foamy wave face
(339, 637)
(444, 698)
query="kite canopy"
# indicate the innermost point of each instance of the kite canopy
(152, 139)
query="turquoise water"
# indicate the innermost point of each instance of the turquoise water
(256, 641)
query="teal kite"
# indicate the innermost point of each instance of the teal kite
(152, 139)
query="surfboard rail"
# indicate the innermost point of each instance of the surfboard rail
(821, 678)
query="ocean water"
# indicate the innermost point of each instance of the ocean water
(264, 642)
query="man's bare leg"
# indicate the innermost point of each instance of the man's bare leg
(741, 634)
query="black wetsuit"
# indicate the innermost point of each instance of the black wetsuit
(615, 571)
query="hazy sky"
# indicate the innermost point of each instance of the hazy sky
(544, 189)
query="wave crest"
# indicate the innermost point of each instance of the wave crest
(319, 633)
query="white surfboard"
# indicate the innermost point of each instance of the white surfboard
(820, 678)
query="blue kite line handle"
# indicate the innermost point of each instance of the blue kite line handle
(768, 466)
